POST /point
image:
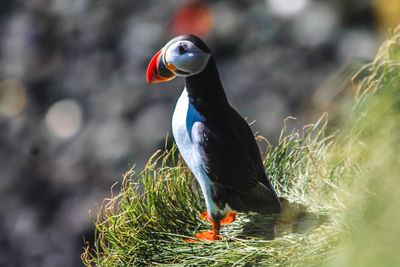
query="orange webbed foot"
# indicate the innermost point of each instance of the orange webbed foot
(229, 218)
(211, 235)
(208, 236)
(204, 236)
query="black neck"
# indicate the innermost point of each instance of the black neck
(205, 89)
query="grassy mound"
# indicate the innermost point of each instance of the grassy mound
(349, 183)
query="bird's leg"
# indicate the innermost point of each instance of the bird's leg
(229, 218)
(216, 225)
(211, 235)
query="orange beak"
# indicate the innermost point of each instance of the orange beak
(157, 71)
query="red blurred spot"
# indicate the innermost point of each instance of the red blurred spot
(194, 17)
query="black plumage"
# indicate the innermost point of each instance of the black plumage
(215, 141)
(230, 153)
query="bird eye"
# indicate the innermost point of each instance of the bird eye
(181, 49)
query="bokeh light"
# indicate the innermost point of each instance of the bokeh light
(194, 17)
(12, 98)
(64, 119)
(286, 8)
(316, 25)
(358, 44)
(387, 13)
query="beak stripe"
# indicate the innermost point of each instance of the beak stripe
(171, 67)
(157, 71)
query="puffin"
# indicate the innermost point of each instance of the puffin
(214, 140)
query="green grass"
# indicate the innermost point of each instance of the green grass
(348, 180)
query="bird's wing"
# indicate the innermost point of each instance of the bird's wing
(229, 164)
(230, 167)
(224, 157)
(247, 137)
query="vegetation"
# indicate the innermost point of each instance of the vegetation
(348, 180)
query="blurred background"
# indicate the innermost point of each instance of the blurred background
(76, 112)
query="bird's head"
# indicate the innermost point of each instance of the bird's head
(185, 55)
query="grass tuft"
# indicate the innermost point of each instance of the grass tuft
(159, 207)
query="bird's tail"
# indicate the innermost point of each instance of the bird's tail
(260, 199)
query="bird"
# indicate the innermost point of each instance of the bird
(214, 140)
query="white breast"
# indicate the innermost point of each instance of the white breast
(187, 149)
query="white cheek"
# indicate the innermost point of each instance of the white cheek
(170, 57)
(191, 62)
